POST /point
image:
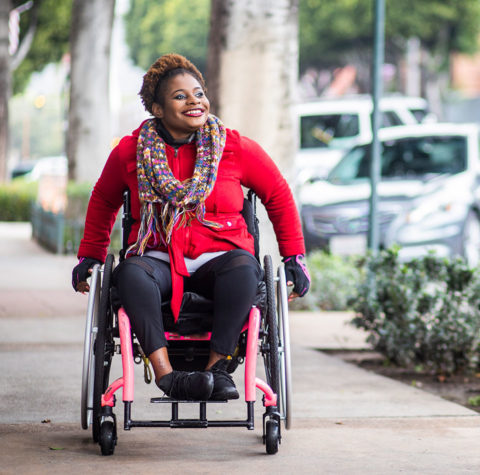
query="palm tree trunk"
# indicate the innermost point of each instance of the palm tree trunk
(252, 76)
(5, 86)
(88, 137)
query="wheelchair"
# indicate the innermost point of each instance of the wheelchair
(108, 332)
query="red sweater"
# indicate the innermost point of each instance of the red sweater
(243, 162)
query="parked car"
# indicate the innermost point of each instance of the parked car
(328, 128)
(51, 166)
(22, 168)
(429, 196)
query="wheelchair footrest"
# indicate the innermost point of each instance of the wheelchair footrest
(165, 399)
(177, 422)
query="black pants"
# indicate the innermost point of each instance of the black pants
(230, 281)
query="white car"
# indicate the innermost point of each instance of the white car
(327, 128)
(51, 166)
(429, 198)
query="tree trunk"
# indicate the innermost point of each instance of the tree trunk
(88, 137)
(5, 86)
(252, 76)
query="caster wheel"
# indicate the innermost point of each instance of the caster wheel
(272, 436)
(108, 437)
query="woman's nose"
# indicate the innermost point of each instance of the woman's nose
(193, 99)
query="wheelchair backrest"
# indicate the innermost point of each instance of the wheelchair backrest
(249, 213)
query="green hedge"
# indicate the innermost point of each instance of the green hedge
(334, 282)
(16, 200)
(424, 312)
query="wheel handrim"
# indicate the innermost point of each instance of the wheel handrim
(285, 405)
(88, 355)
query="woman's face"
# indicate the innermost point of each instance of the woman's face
(185, 106)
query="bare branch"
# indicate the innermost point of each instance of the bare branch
(27, 40)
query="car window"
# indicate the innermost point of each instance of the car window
(390, 119)
(419, 114)
(414, 157)
(327, 130)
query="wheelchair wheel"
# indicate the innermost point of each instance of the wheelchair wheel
(285, 395)
(108, 437)
(104, 346)
(271, 359)
(272, 436)
(91, 328)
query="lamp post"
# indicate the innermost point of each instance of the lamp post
(375, 162)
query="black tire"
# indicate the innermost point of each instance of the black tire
(272, 436)
(103, 347)
(272, 368)
(108, 437)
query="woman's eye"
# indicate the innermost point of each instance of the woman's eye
(180, 96)
(199, 94)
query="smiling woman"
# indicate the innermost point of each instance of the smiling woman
(185, 171)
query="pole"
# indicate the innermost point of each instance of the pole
(375, 165)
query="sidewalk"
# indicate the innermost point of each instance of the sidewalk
(346, 420)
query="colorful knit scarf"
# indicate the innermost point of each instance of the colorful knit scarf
(180, 201)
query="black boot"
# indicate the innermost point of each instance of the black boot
(182, 385)
(224, 387)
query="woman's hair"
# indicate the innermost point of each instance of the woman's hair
(164, 68)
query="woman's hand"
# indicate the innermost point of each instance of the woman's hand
(81, 272)
(297, 275)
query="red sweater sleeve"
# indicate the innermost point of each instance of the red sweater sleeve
(260, 173)
(105, 201)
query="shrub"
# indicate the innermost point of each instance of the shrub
(334, 281)
(424, 312)
(16, 199)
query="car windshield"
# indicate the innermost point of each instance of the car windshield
(410, 158)
(328, 130)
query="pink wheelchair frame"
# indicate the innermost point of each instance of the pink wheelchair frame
(268, 327)
(127, 381)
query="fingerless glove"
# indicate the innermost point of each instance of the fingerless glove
(297, 272)
(80, 271)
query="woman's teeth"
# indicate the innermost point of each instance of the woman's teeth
(194, 113)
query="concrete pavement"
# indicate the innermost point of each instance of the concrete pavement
(346, 420)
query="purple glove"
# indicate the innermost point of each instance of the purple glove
(80, 271)
(296, 272)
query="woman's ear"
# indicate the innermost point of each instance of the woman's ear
(157, 110)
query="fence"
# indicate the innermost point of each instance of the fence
(61, 235)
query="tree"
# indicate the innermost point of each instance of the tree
(253, 56)
(338, 32)
(89, 112)
(43, 38)
(156, 28)
(49, 41)
(4, 86)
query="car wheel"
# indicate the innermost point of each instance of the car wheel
(471, 240)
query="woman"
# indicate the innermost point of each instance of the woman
(185, 171)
